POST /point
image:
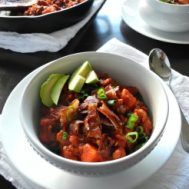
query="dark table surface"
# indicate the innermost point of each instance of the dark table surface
(104, 26)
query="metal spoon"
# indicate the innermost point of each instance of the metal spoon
(159, 63)
(15, 4)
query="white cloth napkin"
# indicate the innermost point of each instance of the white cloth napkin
(53, 42)
(175, 173)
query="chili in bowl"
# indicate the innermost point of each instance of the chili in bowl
(91, 113)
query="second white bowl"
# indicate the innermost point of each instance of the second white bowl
(164, 16)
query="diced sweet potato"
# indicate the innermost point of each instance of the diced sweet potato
(129, 100)
(118, 153)
(90, 154)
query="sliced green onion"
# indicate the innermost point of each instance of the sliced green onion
(64, 135)
(131, 137)
(140, 130)
(132, 121)
(111, 102)
(101, 94)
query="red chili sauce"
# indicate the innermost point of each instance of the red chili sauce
(105, 121)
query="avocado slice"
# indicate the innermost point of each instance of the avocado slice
(57, 88)
(92, 78)
(75, 80)
(46, 88)
(77, 83)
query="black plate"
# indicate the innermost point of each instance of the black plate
(46, 23)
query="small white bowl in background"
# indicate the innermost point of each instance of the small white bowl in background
(165, 16)
(123, 70)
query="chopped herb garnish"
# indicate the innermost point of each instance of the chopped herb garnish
(83, 94)
(64, 135)
(86, 90)
(143, 138)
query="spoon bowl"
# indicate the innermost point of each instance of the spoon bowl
(159, 63)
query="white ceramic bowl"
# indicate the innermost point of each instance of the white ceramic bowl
(164, 16)
(121, 69)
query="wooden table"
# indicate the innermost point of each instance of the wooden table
(104, 26)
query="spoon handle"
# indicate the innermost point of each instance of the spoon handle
(184, 129)
(185, 133)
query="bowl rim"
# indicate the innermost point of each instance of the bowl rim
(39, 147)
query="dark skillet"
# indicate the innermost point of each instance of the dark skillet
(45, 23)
